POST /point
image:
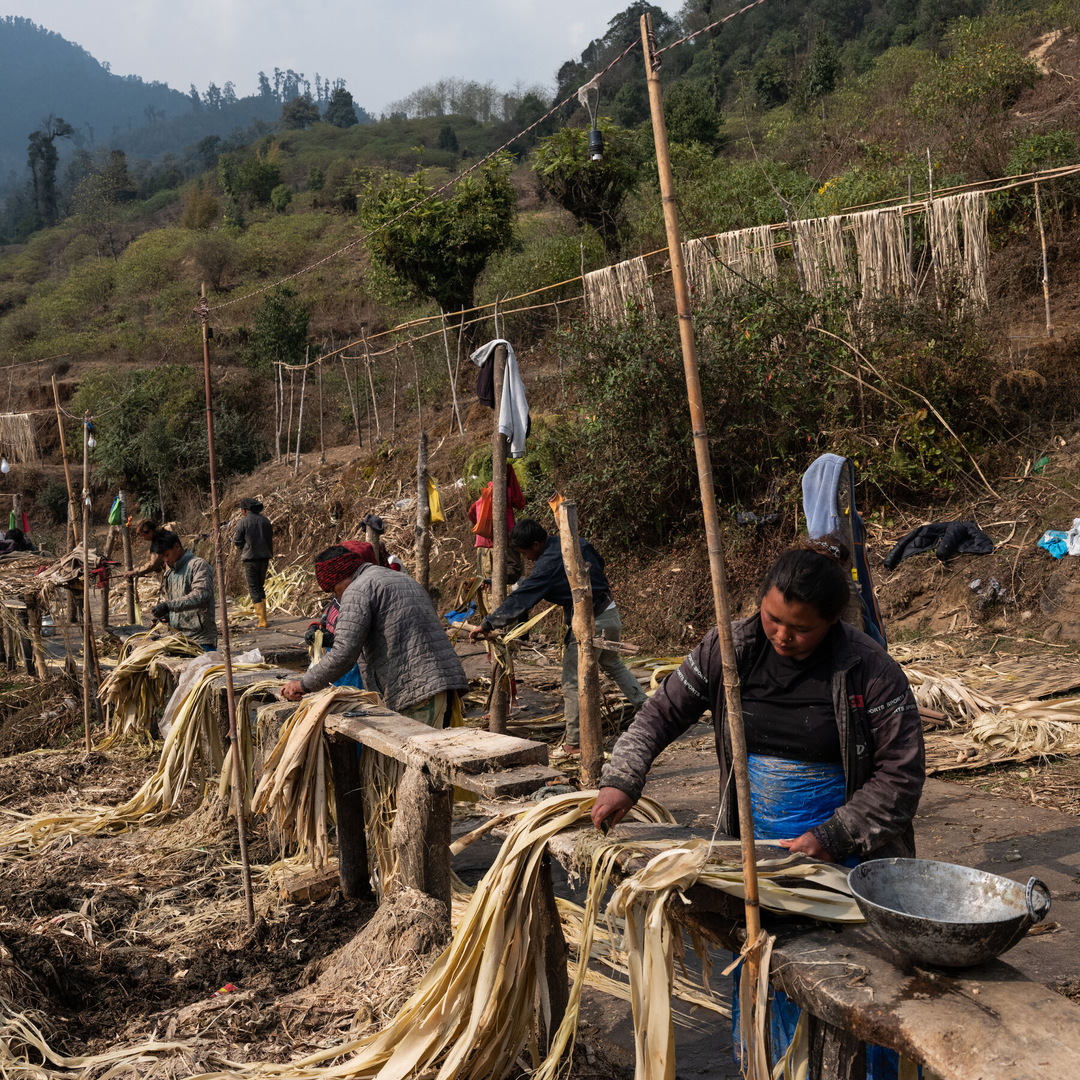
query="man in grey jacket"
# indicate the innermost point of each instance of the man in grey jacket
(386, 622)
(255, 538)
(189, 591)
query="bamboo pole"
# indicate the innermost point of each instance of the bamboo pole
(499, 704)
(732, 690)
(353, 405)
(226, 651)
(423, 515)
(87, 636)
(450, 371)
(584, 624)
(1046, 271)
(292, 394)
(125, 536)
(416, 377)
(300, 418)
(371, 384)
(322, 438)
(393, 415)
(73, 539)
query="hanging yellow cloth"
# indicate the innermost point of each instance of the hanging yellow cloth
(434, 502)
(518, 465)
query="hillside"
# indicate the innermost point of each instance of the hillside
(103, 299)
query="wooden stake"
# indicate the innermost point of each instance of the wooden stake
(416, 376)
(110, 543)
(592, 736)
(280, 403)
(1046, 271)
(450, 372)
(393, 415)
(423, 516)
(498, 712)
(87, 636)
(288, 434)
(73, 539)
(708, 499)
(351, 838)
(322, 440)
(125, 536)
(223, 604)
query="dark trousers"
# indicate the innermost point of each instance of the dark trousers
(255, 572)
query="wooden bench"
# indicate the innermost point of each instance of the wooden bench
(990, 1022)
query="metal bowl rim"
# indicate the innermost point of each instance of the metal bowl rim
(860, 899)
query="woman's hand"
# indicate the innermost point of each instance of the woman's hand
(292, 690)
(806, 844)
(611, 805)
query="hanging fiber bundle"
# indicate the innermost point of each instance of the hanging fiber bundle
(17, 437)
(821, 249)
(973, 214)
(882, 247)
(745, 255)
(610, 290)
(700, 267)
(966, 267)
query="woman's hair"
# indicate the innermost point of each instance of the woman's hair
(18, 537)
(146, 525)
(812, 572)
(526, 533)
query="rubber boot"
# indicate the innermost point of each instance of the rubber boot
(260, 610)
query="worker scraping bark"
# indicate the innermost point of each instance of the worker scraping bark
(189, 592)
(548, 581)
(386, 621)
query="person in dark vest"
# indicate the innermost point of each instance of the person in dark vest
(255, 538)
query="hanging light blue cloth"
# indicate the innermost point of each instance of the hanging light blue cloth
(790, 798)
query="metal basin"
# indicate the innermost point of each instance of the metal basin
(944, 915)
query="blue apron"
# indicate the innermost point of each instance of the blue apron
(790, 798)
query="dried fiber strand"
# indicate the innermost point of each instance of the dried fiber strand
(745, 255)
(700, 269)
(610, 290)
(965, 266)
(824, 259)
(882, 249)
(17, 441)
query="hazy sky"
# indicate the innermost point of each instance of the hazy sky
(382, 48)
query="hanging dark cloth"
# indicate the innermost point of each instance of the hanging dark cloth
(485, 383)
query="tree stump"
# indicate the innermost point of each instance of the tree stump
(421, 835)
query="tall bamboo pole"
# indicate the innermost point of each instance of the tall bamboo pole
(450, 372)
(300, 418)
(223, 606)
(87, 638)
(67, 468)
(322, 437)
(1046, 271)
(371, 384)
(732, 691)
(129, 585)
(499, 704)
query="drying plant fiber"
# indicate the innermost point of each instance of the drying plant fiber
(884, 269)
(700, 266)
(612, 289)
(744, 255)
(1031, 727)
(964, 267)
(17, 437)
(137, 687)
(821, 250)
(295, 787)
(193, 724)
(950, 693)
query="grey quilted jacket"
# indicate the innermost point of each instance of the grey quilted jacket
(189, 590)
(387, 623)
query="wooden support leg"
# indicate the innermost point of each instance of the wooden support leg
(351, 839)
(26, 644)
(421, 835)
(835, 1054)
(553, 984)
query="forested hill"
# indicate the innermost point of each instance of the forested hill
(42, 73)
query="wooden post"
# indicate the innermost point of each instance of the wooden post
(835, 1054)
(351, 838)
(577, 570)
(416, 377)
(110, 543)
(280, 412)
(423, 516)
(223, 606)
(87, 635)
(421, 834)
(499, 709)
(36, 640)
(73, 537)
(375, 541)
(553, 988)
(1046, 271)
(714, 536)
(288, 433)
(16, 511)
(125, 536)
(393, 415)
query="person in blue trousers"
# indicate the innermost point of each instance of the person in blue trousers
(833, 735)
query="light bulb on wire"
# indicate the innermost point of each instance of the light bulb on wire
(5, 468)
(91, 442)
